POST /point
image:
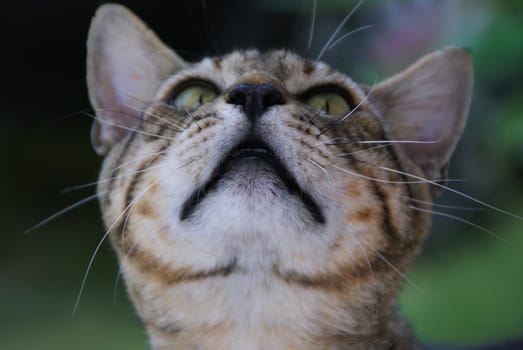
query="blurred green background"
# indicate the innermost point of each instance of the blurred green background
(471, 282)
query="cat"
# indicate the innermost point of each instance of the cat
(262, 200)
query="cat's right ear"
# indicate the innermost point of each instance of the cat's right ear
(428, 102)
(126, 63)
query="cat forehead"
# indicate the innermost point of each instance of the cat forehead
(278, 63)
(294, 72)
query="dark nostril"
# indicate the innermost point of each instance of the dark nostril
(255, 99)
(272, 97)
(237, 97)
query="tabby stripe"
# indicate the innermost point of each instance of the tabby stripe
(129, 195)
(340, 280)
(408, 185)
(308, 68)
(116, 169)
(217, 62)
(388, 227)
(386, 223)
(150, 266)
(333, 281)
(163, 331)
(162, 128)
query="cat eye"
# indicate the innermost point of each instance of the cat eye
(327, 103)
(193, 95)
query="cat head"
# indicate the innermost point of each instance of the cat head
(265, 163)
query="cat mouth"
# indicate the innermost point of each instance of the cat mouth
(252, 149)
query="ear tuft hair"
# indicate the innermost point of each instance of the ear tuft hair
(126, 63)
(429, 102)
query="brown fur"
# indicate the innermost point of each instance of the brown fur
(254, 266)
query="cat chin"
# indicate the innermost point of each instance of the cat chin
(249, 224)
(255, 182)
(250, 201)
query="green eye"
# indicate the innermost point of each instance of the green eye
(193, 96)
(328, 103)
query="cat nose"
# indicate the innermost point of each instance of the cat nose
(255, 99)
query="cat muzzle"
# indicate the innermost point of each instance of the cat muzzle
(252, 149)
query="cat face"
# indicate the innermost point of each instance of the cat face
(256, 189)
(260, 191)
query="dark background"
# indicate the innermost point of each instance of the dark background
(471, 283)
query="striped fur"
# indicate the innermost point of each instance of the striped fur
(250, 268)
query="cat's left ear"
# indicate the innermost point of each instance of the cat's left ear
(428, 102)
(126, 63)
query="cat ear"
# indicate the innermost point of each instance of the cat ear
(428, 102)
(126, 63)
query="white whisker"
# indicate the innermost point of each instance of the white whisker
(134, 130)
(365, 98)
(327, 174)
(457, 218)
(376, 179)
(405, 277)
(396, 141)
(453, 191)
(335, 33)
(144, 111)
(359, 151)
(106, 234)
(116, 282)
(96, 183)
(443, 206)
(346, 35)
(313, 21)
(370, 269)
(331, 140)
(62, 212)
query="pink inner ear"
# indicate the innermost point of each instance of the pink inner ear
(435, 121)
(429, 102)
(118, 111)
(126, 63)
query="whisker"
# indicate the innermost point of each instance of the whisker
(121, 165)
(376, 179)
(184, 164)
(405, 277)
(457, 218)
(346, 35)
(363, 100)
(348, 154)
(134, 130)
(331, 140)
(313, 21)
(62, 212)
(116, 282)
(351, 112)
(148, 104)
(335, 33)
(95, 183)
(384, 259)
(129, 116)
(334, 142)
(358, 241)
(444, 206)
(73, 114)
(453, 191)
(189, 161)
(154, 115)
(106, 234)
(327, 174)
(397, 141)
(421, 179)
(78, 187)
